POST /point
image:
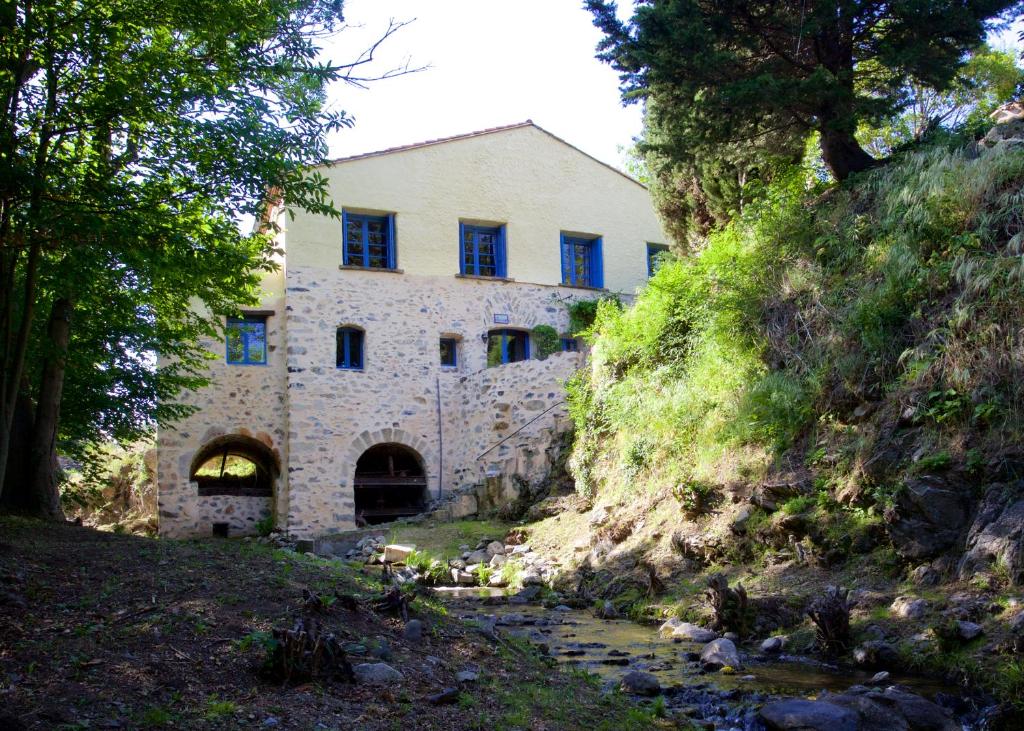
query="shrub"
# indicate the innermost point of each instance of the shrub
(545, 341)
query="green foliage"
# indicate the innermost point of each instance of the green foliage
(799, 504)
(733, 74)
(894, 289)
(265, 526)
(583, 313)
(545, 341)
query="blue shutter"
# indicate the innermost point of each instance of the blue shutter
(526, 354)
(392, 258)
(500, 269)
(596, 264)
(565, 264)
(462, 245)
(344, 237)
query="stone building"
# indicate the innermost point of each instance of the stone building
(392, 362)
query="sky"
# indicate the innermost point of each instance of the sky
(490, 63)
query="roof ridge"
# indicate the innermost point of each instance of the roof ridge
(436, 141)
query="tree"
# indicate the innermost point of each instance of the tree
(133, 137)
(744, 69)
(989, 78)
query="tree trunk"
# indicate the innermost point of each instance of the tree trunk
(843, 154)
(43, 481)
(13, 494)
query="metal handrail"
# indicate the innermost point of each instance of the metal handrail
(499, 443)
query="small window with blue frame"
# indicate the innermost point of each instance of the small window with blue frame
(570, 345)
(507, 346)
(449, 353)
(482, 250)
(247, 340)
(350, 348)
(581, 261)
(656, 254)
(369, 241)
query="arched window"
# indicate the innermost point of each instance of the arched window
(507, 346)
(234, 465)
(389, 484)
(350, 348)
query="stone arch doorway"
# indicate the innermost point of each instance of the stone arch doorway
(390, 483)
(235, 464)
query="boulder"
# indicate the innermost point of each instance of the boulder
(606, 610)
(801, 715)
(693, 633)
(478, 557)
(497, 561)
(668, 625)
(908, 607)
(740, 520)
(394, 553)
(496, 548)
(996, 534)
(377, 673)
(968, 631)
(720, 653)
(639, 683)
(928, 518)
(413, 632)
(876, 655)
(773, 645)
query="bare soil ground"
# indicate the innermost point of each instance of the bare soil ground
(108, 631)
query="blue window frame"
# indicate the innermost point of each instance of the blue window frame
(350, 348)
(570, 345)
(581, 261)
(369, 241)
(507, 346)
(482, 250)
(449, 352)
(247, 340)
(654, 257)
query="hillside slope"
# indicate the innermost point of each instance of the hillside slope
(827, 393)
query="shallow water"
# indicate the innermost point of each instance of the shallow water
(612, 648)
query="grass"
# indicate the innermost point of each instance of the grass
(444, 539)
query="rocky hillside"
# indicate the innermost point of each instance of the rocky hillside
(827, 393)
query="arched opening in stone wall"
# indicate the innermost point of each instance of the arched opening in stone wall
(235, 465)
(389, 483)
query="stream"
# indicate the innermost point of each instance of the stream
(610, 648)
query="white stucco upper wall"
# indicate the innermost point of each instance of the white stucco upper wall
(522, 177)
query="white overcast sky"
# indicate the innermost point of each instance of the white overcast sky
(491, 63)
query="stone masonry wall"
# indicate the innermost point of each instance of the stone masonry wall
(336, 414)
(242, 400)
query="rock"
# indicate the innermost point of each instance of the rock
(639, 683)
(413, 631)
(720, 653)
(467, 676)
(606, 610)
(497, 561)
(457, 563)
(968, 631)
(464, 505)
(521, 549)
(382, 650)
(692, 632)
(879, 678)
(496, 548)
(394, 553)
(497, 581)
(478, 557)
(525, 595)
(773, 645)
(377, 673)
(532, 578)
(732, 636)
(444, 698)
(598, 516)
(487, 623)
(1009, 125)
(801, 715)
(739, 522)
(997, 533)
(925, 575)
(463, 578)
(876, 654)
(928, 517)
(908, 607)
(668, 625)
